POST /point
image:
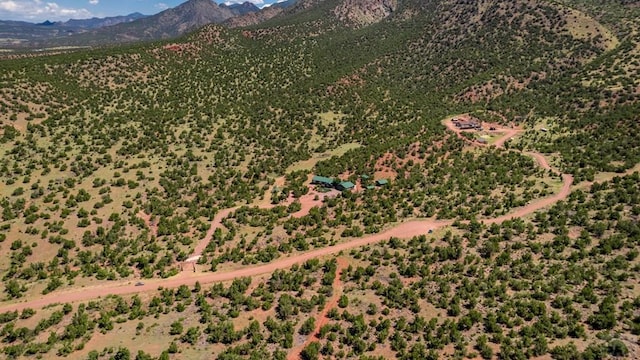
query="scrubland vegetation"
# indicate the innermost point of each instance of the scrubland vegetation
(115, 161)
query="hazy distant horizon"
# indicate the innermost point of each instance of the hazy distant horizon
(62, 10)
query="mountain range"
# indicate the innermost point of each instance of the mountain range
(241, 9)
(16, 33)
(169, 23)
(95, 22)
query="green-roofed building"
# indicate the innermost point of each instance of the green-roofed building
(322, 181)
(346, 185)
(370, 187)
(382, 182)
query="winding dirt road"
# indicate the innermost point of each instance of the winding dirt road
(405, 230)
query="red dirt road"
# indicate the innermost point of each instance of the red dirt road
(322, 318)
(542, 161)
(307, 202)
(215, 223)
(508, 134)
(567, 181)
(404, 230)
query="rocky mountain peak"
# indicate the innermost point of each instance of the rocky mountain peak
(365, 12)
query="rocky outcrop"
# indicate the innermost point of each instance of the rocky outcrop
(365, 12)
(254, 18)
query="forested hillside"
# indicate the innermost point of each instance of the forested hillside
(162, 163)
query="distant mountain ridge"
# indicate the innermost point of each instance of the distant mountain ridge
(169, 23)
(242, 9)
(95, 22)
(22, 32)
(184, 18)
(266, 13)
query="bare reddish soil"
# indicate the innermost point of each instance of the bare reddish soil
(387, 163)
(215, 223)
(541, 160)
(404, 230)
(147, 220)
(307, 201)
(507, 133)
(322, 319)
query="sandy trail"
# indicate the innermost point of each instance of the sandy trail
(307, 201)
(541, 160)
(322, 318)
(508, 134)
(402, 230)
(215, 223)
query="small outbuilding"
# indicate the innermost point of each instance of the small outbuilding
(322, 181)
(345, 185)
(382, 182)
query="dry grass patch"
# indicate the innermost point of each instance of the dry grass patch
(583, 27)
(310, 163)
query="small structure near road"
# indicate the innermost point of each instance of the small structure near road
(345, 185)
(324, 184)
(322, 181)
(471, 124)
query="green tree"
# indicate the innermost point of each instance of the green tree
(311, 352)
(143, 356)
(617, 348)
(13, 289)
(343, 302)
(191, 336)
(308, 326)
(122, 354)
(605, 317)
(176, 328)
